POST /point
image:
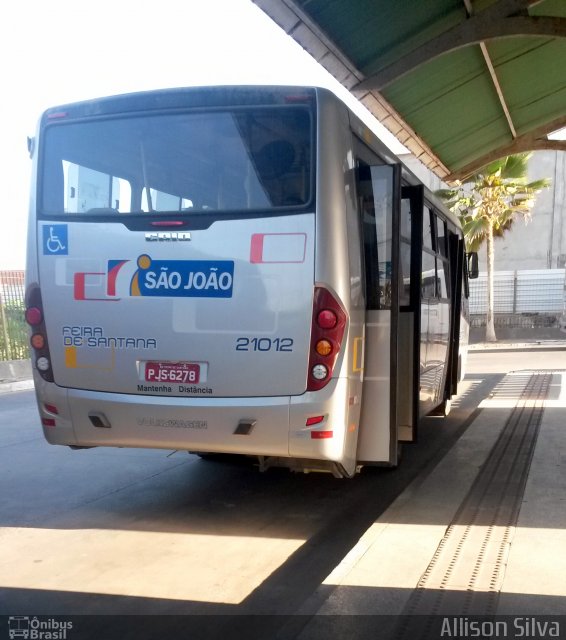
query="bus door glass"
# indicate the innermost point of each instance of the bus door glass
(429, 315)
(412, 198)
(458, 329)
(435, 311)
(378, 194)
(444, 295)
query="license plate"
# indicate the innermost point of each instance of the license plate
(172, 372)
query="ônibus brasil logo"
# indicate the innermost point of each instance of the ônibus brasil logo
(33, 628)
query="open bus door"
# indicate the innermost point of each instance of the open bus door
(457, 251)
(380, 199)
(411, 320)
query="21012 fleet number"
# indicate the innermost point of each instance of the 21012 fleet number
(264, 344)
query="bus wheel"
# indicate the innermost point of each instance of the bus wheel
(207, 456)
(399, 454)
(231, 458)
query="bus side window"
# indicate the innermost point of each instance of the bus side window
(442, 244)
(429, 289)
(442, 264)
(405, 254)
(428, 229)
(428, 276)
(369, 235)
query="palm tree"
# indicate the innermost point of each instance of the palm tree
(488, 202)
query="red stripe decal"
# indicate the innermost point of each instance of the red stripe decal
(256, 251)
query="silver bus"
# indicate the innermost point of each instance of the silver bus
(242, 270)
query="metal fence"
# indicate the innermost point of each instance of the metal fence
(521, 298)
(13, 329)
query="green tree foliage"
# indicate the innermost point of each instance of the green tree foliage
(14, 343)
(488, 203)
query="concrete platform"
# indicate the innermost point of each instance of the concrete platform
(515, 575)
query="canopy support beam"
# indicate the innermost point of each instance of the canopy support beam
(500, 20)
(535, 140)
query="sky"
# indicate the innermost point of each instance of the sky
(67, 50)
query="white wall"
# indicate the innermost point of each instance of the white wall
(540, 244)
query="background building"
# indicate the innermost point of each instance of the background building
(530, 260)
(539, 244)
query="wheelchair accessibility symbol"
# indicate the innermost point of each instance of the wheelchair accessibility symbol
(55, 240)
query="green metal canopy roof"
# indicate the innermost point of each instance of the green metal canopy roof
(458, 82)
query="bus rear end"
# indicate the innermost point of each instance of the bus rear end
(171, 275)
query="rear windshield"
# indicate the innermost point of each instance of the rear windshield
(243, 159)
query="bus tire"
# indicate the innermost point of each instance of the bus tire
(204, 455)
(225, 458)
(399, 455)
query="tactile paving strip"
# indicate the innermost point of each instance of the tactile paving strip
(465, 574)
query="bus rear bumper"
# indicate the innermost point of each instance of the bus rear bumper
(262, 426)
(196, 424)
(311, 426)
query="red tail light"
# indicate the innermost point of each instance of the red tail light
(327, 332)
(35, 318)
